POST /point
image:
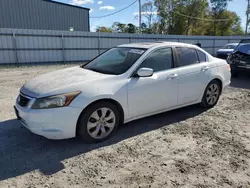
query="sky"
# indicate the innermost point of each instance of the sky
(104, 7)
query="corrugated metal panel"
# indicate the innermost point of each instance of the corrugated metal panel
(42, 14)
(34, 46)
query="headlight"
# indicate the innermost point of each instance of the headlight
(229, 59)
(55, 101)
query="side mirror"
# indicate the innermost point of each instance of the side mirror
(145, 72)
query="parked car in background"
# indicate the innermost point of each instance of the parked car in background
(226, 50)
(239, 60)
(124, 83)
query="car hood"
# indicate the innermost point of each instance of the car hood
(47, 83)
(225, 50)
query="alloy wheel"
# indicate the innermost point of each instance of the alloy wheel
(101, 123)
(212, 94)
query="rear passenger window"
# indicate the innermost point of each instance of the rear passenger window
(187, 56)
(202, 56)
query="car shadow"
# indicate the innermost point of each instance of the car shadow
(22, 152)
(242, 81)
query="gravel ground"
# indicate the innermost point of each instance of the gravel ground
(189, 147)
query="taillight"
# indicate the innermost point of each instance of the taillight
(228, 67)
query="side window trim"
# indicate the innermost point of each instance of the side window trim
(176, 58)
(199, 56)
(196, 51)
(173, 59)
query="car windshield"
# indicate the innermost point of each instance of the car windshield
(245, 41)
(242, 42)
(115, 61)
(230, 46)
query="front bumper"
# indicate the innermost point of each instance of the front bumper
(240, 68)
(243, 69)
(56, 123)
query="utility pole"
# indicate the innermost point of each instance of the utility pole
(140, 16)
(248, 15)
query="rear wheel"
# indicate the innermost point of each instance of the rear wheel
(211, 94)
(98, 122)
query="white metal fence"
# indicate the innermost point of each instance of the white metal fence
(19, 46)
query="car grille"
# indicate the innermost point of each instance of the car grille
(23, 101)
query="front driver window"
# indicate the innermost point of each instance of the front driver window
(159, 60)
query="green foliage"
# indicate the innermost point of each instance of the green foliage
(219, 5)
(131, 28)
(184, 17)
(104, 29)
(119, 28)
(227, 28)
(171, 17)
(195, 17)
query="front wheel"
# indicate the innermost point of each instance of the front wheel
(98, 122)
(211, 94)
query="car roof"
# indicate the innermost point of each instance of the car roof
(147, 45)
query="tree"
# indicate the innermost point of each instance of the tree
(148, 13)
(124, 28)
(218, 6)
(196, 17)
(163, 9)
(231, 26)
(119, 27)
(186, 17)
(194, 9)
(103, 29)
(131, 28)
(177, 16)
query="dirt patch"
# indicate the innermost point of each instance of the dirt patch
(189, 147)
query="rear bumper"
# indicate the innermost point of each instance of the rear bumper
(57, 123)
(221, 56)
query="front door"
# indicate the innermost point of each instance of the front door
(147, 95)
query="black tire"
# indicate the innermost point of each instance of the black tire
(234, 72)
(82, 130)
(204, 103)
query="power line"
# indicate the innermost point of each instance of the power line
(178, 13)
(202, 19)
(116, 11)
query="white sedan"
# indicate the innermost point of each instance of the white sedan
(124, 83)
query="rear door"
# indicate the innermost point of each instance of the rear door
(193, 74)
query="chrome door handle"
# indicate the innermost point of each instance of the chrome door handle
(173, 76)
(205, 68)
